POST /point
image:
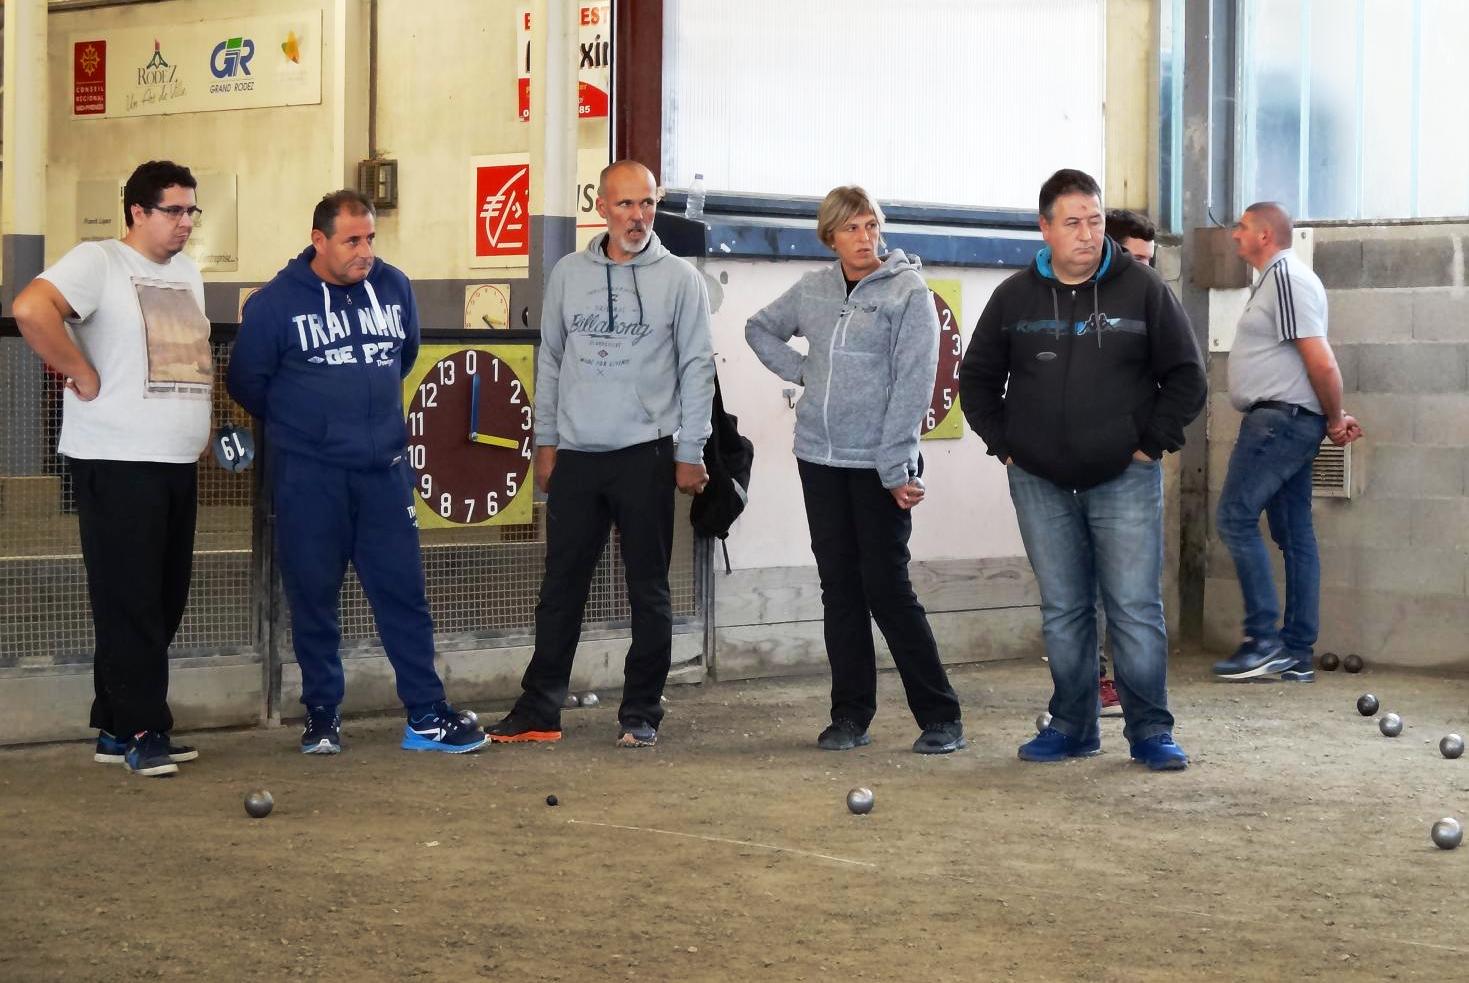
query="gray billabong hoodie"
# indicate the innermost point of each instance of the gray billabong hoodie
(626, 355)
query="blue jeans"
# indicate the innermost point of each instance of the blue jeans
(1270, 472)
(1108, 540)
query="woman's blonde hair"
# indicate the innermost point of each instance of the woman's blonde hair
(838, 207)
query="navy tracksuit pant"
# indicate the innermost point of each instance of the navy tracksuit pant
(326, 516)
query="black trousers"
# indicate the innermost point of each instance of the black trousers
(860, 538)
(136, 520)
(589, 492)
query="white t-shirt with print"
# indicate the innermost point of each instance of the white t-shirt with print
(142, 326)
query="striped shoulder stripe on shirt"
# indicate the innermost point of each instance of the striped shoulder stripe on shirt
(1285, 302)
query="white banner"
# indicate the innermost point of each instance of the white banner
(241, 63)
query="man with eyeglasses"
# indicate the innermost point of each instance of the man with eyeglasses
(135, 418)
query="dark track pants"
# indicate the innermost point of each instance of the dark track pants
(632, 487)
(136, 521)
(860, 538)
(326, 516)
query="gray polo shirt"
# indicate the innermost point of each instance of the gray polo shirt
(1286, 303)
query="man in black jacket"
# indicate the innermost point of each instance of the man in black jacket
(1081, 374)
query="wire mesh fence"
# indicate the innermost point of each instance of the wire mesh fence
(482, 581)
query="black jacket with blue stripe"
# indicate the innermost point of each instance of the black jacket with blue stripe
(1069, 380)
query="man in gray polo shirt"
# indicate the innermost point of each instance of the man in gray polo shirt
(1284, 378)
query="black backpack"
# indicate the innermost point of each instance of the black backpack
(728, 458)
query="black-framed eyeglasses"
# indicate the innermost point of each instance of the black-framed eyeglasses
(177, 212)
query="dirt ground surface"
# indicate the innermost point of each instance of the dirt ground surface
(1296, 846)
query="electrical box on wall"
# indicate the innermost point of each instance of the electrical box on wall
(378, 179)
(1216, 265)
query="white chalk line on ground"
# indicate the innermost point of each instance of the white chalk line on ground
(722, 839)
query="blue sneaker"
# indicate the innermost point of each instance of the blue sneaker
(443, 728)
(111, 750)
(1300, 672)
(1255, 658)
(1159, 753)
(1052, 745)
(147, 754)
(323, 731)
(637, 733)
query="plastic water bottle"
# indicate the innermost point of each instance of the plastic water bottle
(693, 206)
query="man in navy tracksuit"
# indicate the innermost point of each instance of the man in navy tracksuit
(321, 356)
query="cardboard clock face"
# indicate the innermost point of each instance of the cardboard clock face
(943, 419)
(469, 414)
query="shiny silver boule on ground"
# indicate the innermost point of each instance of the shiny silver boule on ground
(1367, 704)
(1451, 745)
(1447, 833)
(859, 801)
(590, 700)
(259, 803)
(1043, 721)
(571, 702)
(1391, 725)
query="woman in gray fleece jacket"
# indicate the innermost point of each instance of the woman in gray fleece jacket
(872, 350)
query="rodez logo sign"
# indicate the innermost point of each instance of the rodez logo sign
(231, 57)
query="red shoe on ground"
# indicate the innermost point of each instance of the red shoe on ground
(1110, 700)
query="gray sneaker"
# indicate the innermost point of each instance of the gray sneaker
(941, 738)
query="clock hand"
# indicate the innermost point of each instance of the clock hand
(480, 438)
(474, 406)
(486, 318)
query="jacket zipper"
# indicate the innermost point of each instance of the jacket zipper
(839, 331)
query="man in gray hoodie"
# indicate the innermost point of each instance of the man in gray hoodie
(626, 362)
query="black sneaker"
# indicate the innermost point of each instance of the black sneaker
(516, 728)
(637, 733)
(147, 754)
(843, 735)
(941, 738)
(443, 729)
(323, 731)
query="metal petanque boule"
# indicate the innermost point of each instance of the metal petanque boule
(572, 702)
(1447, 833)
(259, 803)
(1391, 725)
(859, 801)
(1353, 663)
(1042, 721)
(590, 700)
(1329, 661)
(1451, 745)
(1367, 704)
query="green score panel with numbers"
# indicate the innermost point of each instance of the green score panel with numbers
(469, 416)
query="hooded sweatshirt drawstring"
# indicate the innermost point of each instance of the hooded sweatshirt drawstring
(379, 318)
(611, 324)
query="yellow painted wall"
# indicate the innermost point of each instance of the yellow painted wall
(446, 92)
(1131, 104)
(281, 156)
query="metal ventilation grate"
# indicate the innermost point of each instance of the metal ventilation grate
(1331, 472)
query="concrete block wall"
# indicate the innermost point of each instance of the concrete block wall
(1395, 578)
